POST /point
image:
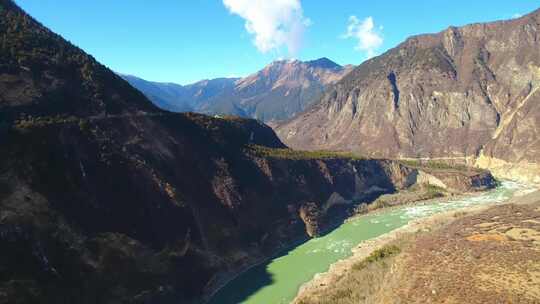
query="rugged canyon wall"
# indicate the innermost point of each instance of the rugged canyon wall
(467, 93)
(106, 199)
(164, 208)
(150, 209)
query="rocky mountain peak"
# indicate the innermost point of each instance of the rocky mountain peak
(324, 63)
(284, 71)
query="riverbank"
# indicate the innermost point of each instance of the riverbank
(409, 195)
(409, 274)
(417, 195)
(279, 279)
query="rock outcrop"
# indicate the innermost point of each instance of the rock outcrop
(468, 93)
(456, 181)
(310, 213)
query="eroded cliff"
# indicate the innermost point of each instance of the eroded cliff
(466, 93)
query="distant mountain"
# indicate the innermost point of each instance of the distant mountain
(469, 92)
(277, 92)
(280, 90)
(177, 98)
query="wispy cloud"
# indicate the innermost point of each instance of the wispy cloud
(273, 23)
(517, 15)
(368, 36)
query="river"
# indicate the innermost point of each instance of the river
(278, 280)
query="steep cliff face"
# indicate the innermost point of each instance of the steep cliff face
(155, 208)
(151, 208)
(465, 92)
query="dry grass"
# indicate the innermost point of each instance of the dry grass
(377, 256)
(357, 285)
(477, 260)
(490, 256)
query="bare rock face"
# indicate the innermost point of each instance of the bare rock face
(310, 215)
(462, 93)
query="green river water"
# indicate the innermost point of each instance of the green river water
(278, 280)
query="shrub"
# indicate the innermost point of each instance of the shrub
(83, 125)
(434, 191)
(377, 256)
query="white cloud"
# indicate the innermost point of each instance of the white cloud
(369, 38)
(274, 23)
(517, 15)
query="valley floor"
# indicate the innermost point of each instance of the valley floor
(481, 255)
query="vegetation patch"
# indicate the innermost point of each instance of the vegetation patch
(377, 256)
(415, 193)
(301, 155)
(29, 122)
(431, 191)
(437, 165)
(359, 282)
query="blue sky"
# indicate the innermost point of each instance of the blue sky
(184, 41)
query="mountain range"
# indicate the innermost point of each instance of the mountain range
(177, 98)
(279, 91)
